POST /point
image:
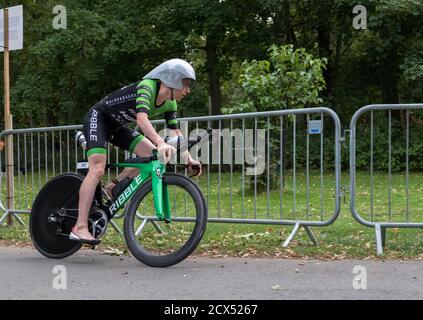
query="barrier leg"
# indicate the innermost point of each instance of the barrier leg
(4, 217)
(19, 219)
(291, 236)
(311, 235)
(379, 239)
(383, 230)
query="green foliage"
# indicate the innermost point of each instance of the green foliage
(289, 79)
(315, 55)
(412, 72)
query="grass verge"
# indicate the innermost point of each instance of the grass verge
(345, 238)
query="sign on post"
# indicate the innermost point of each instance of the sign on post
(11, 38)
(15, 28)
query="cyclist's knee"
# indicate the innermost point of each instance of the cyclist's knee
(97, 171)
(97, 164)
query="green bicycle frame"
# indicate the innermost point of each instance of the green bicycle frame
(156, 170)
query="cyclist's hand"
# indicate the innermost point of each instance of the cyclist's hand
(166, 151)
(194, 165)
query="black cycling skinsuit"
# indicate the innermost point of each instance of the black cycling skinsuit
(108, 119)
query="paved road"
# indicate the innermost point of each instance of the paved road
(25, 274)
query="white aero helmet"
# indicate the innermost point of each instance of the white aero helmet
(172, 72)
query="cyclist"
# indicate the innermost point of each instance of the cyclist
(156, 94)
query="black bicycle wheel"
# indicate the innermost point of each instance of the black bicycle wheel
(160, 244)
(61, 192)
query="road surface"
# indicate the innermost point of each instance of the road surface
(25, 274)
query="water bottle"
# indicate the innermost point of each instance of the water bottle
(121, 186)
(80, 138)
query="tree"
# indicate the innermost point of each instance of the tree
(291, 78)
(220, 29)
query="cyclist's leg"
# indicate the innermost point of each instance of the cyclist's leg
(97, 163)
(95, 129)
(144, 148)
(134, 142)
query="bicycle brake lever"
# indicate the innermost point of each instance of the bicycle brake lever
(197, 170)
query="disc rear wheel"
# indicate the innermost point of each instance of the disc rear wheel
(53, 214)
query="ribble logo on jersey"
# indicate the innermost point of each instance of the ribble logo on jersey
(93, 126)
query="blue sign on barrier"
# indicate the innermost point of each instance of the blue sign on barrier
(315, 127)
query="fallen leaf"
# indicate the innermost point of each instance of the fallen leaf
(114, 252)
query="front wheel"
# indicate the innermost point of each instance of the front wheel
(160, 244)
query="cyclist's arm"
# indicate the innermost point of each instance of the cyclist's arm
(147, 128)
(170, 117)
(184, 154)
(144, 100)
(172, 123)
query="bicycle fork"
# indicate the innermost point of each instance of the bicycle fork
(156, 171)
(160, 193)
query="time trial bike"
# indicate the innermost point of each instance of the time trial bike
(165, 213)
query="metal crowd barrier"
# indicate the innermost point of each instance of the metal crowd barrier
(385, 206)
(279, 167)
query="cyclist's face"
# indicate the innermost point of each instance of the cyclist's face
(180, 94)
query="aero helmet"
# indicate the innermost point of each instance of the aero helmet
(171, 73)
